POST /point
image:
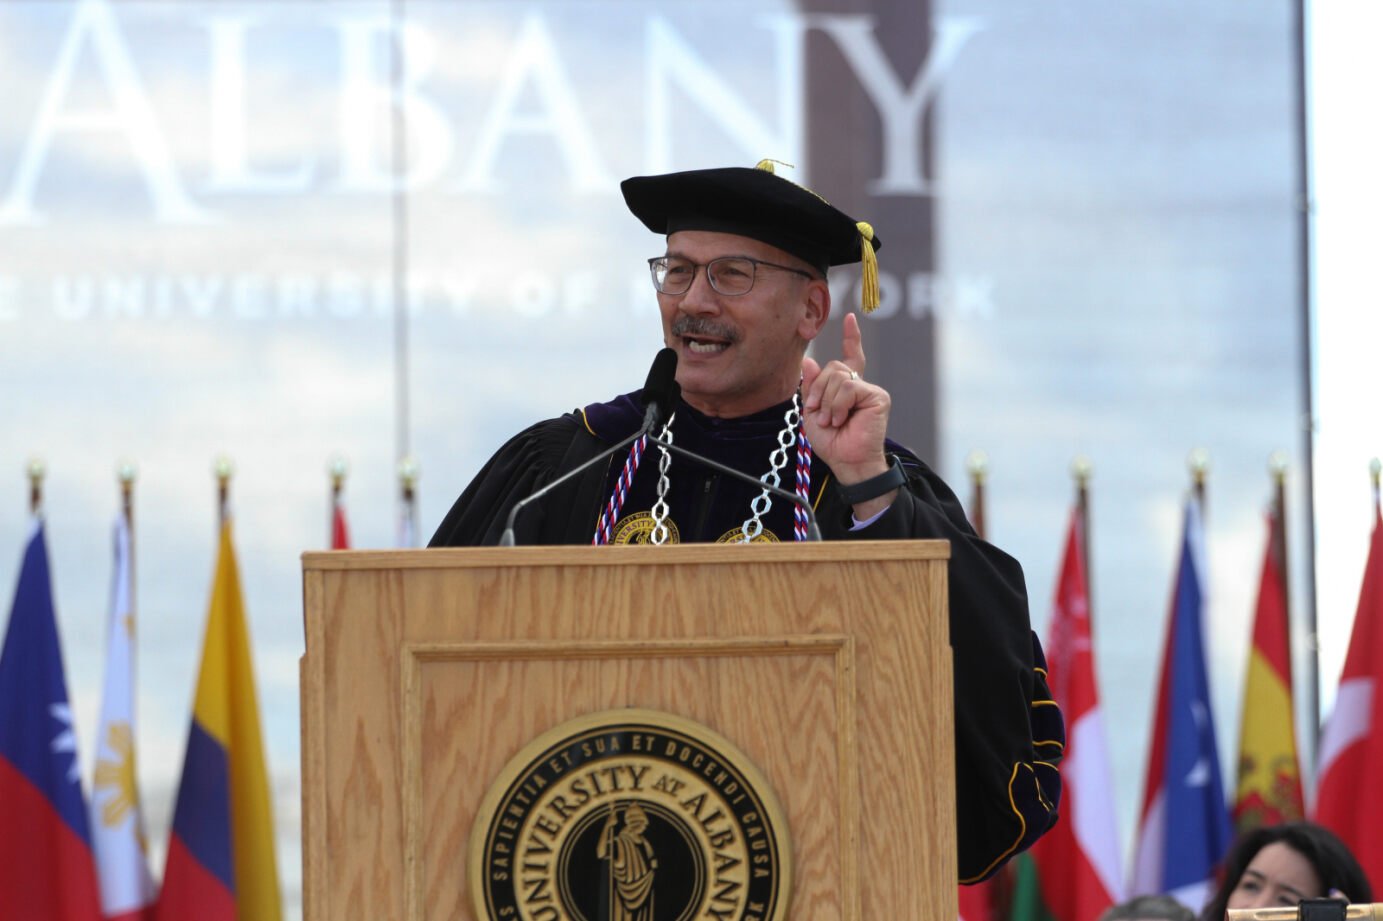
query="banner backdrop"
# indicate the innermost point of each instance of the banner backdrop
(283, 230)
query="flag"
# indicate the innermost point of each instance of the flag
(1349, 798)
(117, 824)
(1027, 903)
(986, 901)
(340, 536)
(46, 869)
(1184, 829)
(1077, 862)
(1269, 787)
(408, 505)
(221, 864)
(408, 524)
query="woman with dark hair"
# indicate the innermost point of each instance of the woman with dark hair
(1283, 864)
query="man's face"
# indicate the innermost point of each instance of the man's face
(740, 354)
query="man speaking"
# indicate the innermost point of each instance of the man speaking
(742, 291)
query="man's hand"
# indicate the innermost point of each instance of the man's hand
(846, 417)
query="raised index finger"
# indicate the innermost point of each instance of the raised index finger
(852, 343)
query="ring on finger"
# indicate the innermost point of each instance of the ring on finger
(854, 375)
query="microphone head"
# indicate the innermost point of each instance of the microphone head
(661, 390)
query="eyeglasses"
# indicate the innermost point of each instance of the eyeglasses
(728, 275)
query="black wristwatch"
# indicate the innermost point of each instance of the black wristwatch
(874, 487)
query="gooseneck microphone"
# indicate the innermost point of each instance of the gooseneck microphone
(660, 392)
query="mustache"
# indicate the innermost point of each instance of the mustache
(701, 326)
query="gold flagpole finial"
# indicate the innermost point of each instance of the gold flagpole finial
(337, 468)
(1375, 466)
(224, 467)
(1277, 467)
(37, 470)
(125, 474)
(1198, 462)
(409, 471)
(978, 465)
(1082, 470)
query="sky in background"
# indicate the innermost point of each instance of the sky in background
(1117, 244)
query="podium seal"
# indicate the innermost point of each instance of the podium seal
(630, 815)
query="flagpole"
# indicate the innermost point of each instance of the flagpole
(409, 472)
(978, 465)
(37, 470)
(1374, 467)
(224, 468)
(337, 468)
(125, 473)
(1199, 464)
(1082, 470)
(400, 227)
(1277, 469)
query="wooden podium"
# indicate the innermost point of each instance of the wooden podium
(827, 664)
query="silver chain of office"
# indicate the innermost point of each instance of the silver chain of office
(753, 525)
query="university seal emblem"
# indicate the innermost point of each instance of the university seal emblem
(630, 815)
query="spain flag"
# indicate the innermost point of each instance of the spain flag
(1269, 785)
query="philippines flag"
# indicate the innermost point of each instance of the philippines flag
(1349, 798)
(1185, 828)
(117, 823)
(221, 864)
(46, 868)
(1078, 860)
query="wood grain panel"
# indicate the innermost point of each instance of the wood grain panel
(828, 665)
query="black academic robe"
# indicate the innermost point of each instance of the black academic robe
(1009, 733)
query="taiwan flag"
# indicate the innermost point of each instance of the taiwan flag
(46, 869)
(1185, 827)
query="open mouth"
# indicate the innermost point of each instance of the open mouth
(699, 345)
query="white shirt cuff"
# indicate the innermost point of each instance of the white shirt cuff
(861, 525)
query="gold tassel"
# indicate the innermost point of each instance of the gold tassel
(766, 165)
(869, 295)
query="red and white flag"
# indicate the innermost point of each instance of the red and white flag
(340, 534)
(1349, 797)
(1078, 866)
